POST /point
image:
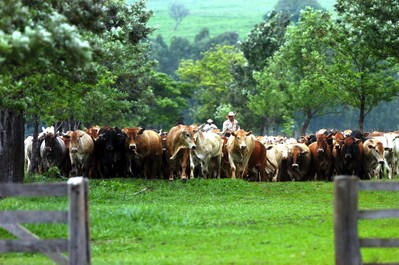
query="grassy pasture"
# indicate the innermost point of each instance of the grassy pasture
(209, 222)
(218, 16)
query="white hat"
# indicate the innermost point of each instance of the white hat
(231, 114)
(209, 121)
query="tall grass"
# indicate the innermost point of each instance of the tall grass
(210, 222)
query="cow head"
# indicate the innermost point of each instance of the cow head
(133, 134)
(240, 138)
(350, 149)
(49, 142)
(187, 136)
(93, 131)
(297, 152)
(324, 142)
(377, 149)
(75, 140)
(338, 140)
(112, 138)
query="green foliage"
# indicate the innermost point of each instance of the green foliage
(299, 70)
(45, 50)
(168, 58)
(363, 80)
(211, 77)
(209, 222)
(264, 39)
(169, 102)
(374, 23)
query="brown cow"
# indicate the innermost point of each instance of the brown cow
(322, 159)
(298, 162)
(93, 131)
(240, 146)
(338, 142)
(179, 142)
(146, 145)
(80, 146)
(256, 168)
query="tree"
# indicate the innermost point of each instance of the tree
(178, 12)
(362, 80)
(55, 41)
(373, 22)
(298, 71)
(265, 39)
(31, 40)
(210, 77)
(170, 101)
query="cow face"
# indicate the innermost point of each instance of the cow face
(133, 134)
(338, 140)
(50, 140)
(75, 140)
(240, 139)
(187, 135)
(350, 149)
(296, 154)
(112, 138)
(377, 150)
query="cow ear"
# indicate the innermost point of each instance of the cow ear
(141, 131)
(234, 134)
(249, 133)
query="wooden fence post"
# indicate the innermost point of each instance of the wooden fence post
(347, 249)
(79, 237)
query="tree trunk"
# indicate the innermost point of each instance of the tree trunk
(34, 159)
(305, 126)
(361, 114)
(11, 146)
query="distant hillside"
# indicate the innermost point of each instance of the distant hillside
(217, 15)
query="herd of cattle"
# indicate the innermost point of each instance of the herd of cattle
(188, 152)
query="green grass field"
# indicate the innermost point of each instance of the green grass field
(208, 222)
(218, 16)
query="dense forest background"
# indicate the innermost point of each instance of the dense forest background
(229, 22)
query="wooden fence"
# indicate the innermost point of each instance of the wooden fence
(347, 214)
(77, 218)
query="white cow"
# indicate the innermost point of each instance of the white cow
(208, 154)
(374, 159)
(28, 144)
(391, 146)
(274, 159)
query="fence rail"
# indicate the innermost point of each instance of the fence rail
(347, 215)
(77, 218)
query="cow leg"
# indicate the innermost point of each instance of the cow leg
(185, 159)
(232, 167)
(218, 165)
(192, 167)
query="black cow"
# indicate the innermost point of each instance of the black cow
(110, 152)
(53, 153)
(352, 155)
